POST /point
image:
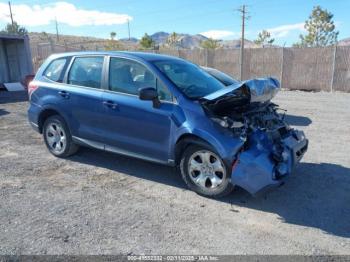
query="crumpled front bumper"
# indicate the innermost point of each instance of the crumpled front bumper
(256, 170)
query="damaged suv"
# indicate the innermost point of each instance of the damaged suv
(166, 110)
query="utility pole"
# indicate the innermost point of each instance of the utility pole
(11, 13)
(57, 35)
(243, 12)
(129, 29)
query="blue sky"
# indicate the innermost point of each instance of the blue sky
(216, 18)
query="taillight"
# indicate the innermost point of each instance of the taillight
(27, 80)
(32, 86)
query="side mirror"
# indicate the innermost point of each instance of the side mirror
(150, 94)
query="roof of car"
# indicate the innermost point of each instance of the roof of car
(141, 55)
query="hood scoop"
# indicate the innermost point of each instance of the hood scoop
(251, 92)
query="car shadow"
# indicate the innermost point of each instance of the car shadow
(316, 195)
(13, 97)
(297, 120)
(130, 166)
(3, 112)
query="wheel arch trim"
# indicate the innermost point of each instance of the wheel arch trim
(197, 138)
(46, 112)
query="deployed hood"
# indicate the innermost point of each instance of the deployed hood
(255, 91)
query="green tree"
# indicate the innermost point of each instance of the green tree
(113, 35)
(173, 39)
(264, 38)
(14, 29)
(210, 44)
(147, 42)
(320, 29)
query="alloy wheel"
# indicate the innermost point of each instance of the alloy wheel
(206, 169)
(56, 138)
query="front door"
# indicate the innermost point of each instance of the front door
(132, 126)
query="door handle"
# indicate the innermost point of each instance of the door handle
(110, 104)
(64, 94)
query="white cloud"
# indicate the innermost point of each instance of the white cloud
(217, 34)
(284, 30)
(66, 13)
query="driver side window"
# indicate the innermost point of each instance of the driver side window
(127, 76)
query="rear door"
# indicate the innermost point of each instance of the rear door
(81, 98)
(133, 126)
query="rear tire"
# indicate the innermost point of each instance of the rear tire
(57, 137)
(205, 172)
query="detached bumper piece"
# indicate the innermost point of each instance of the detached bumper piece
(265, 164)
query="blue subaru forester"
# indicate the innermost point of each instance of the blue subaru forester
(166, 110)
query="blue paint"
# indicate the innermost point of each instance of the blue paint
(137, 128)
(256, 168)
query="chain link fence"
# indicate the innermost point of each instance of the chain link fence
(311, 69)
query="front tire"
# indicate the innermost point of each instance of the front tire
(205, 172)
(57, 137)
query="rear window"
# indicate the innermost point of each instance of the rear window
(55, 69)
(86, 71)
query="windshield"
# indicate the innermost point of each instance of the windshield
(189, 78)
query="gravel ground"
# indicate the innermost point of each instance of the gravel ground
(100, 203)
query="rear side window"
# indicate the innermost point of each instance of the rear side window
(86, 71)
(55, 69)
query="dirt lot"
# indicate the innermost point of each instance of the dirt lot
(100, 203)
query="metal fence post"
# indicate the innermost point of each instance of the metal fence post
(333, 67)
(39, 51)
(52, 47)
(282, 62)
(206, 57)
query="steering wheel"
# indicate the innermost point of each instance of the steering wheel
(191, 88)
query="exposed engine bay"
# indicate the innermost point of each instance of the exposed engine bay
(270, 146)
(264, 118)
